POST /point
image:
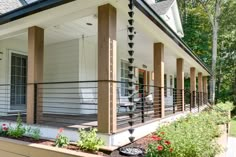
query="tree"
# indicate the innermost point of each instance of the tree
(226, 64)
(213, 10)
(197, 29)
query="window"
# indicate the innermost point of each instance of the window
(18, 81)
(124, 78)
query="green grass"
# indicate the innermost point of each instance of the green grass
(233, 127)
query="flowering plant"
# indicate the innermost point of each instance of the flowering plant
(61, 139)
(4, 129)
(160, 146)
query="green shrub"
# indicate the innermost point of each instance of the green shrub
(89, 140)
(194, 135)
(17, 131)
(221, 112)
(61, 139)
(227, 106)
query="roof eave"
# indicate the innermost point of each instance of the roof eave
(155, 18)
(30, 9)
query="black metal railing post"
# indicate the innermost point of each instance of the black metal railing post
(142, 103)
(35, 102)
(174, 100)
(198, 102)
(191, 101)
(182, 97)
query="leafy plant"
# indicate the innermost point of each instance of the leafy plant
(33, 133)
(89, 140)
(160, 147)
(61, 139)
(17, 131)
(4, 130)
(194, 135)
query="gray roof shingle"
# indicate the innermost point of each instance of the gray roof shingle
(162, 7)
(9, 5)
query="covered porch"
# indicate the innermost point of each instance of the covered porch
(72, 70)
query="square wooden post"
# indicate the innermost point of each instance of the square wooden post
(107, 69)
(193, 86)
(200, 88)
(158, 62)
(35, 69)
(205, 89)
(180, 84)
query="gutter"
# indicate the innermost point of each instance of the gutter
(156, 19)
(30, 9)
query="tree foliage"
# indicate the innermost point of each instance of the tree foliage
(198, 35)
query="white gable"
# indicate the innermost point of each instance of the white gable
(169, 12)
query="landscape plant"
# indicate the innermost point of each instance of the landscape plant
(61, 139)
(89, 140)
(4, 129)
(17, 131)
(193, 135)
(160, 146)
(33, 133)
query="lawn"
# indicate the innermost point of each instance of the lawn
(233, 127)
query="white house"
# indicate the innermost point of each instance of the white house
(65, 63)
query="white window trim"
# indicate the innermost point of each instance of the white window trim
(10, 51)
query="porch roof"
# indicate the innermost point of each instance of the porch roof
(147, 10)
(23, 8)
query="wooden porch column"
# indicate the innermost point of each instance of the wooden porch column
(205, 89)
(180, 84)
(200, 88)
(158, 62)
(193, 86)
(35, 68)
(107, 69)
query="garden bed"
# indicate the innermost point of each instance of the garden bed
(51, 143)
(19, 135)
(17, 148)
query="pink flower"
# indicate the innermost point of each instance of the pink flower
(160, 148)
(167, 142)
(156, 138)
(5, 128)
(60, 130)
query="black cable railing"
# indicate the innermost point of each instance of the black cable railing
(12, 102)
(75, 103)
(67, 104)
(147, 102)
